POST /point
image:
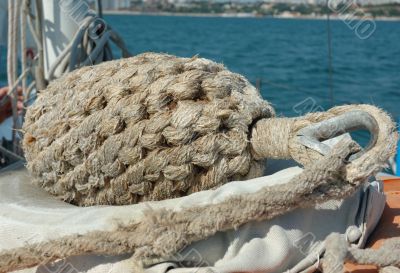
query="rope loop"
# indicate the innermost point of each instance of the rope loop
(300, 138)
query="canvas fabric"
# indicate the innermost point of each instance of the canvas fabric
(292, 242)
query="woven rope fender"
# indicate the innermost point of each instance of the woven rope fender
(145, 128)
(157, 126)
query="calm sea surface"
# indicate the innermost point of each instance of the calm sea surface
(288, 57)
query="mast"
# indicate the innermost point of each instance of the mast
(59, 26)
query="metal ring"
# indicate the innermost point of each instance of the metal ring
(312, 135)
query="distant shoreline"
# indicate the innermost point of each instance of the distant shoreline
(242, 15)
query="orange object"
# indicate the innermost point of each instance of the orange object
(388, 226)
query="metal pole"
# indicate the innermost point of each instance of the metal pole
(63, 18)
(39, 73)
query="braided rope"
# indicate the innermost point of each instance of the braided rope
(387, 257)
(145, 128)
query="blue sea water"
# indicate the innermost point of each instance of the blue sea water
(288, 56)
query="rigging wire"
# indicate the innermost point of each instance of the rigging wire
(330, 66)
(99, 6)
(24, 62)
